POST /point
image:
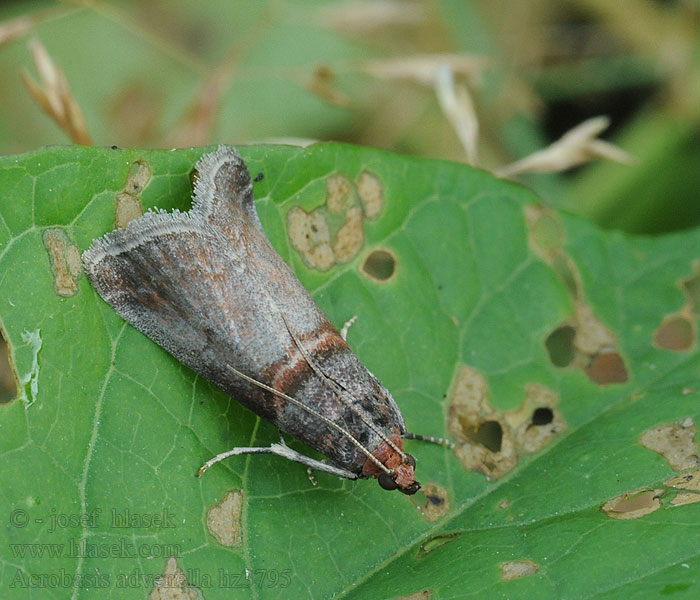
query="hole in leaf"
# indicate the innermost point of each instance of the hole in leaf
(560, 345)
(379, 265)
(607, 368)
(542, 416)
(8, 383)
(675, 334)
(435, 500)
(489, 434)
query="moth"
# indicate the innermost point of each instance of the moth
(208, 287)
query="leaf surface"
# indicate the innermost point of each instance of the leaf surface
(473, 289)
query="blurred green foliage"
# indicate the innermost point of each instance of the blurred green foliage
(183, 73)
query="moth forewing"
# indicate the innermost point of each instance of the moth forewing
(208, 286)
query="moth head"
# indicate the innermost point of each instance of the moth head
(401, 477)
(393, 468)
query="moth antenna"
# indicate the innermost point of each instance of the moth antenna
(428, 438)
(342, 392)
(311, 411)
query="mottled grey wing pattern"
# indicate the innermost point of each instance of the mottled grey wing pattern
(208, 286)
(122, 271)
(172, 288)
(223, 200)
(198, 283)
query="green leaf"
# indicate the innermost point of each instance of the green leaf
(538, 343)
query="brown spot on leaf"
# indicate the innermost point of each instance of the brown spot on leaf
(8, 377)
(172, 585)
(564, 268)
(691, 289)
(138, 178)
(129, 205)
(537, 421)
(585, 343)
(688, 481)
(470, 411)
(436, 504)
(371, 193)
(436, 542)
(685, 498)
(675, 442)
(334, 232)
(309, 234)
(65, 261)
(517, 569)
(350, 236)
(224, 519)
(677, 333)
(546, 232)
(634, 505)
(582, 341)
(491, 441)
(592, 336)
(128, 209)
(379, 265)
(340, 194)
(422, 595)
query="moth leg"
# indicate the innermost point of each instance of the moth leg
(346, 327)
(309, 470)
(428, 438)
(285, 452)
(233, 452)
